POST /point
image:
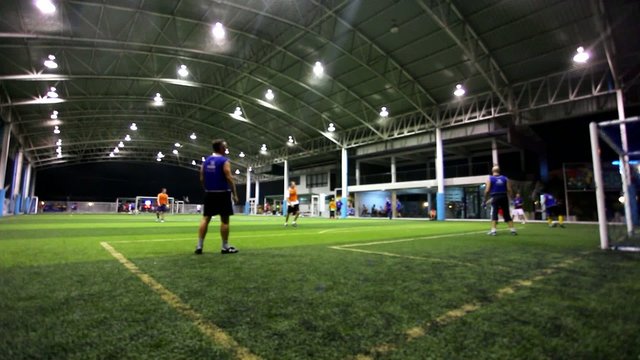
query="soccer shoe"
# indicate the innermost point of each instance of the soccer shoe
(198, 252)
(229, 250)
(285, 224)
(553, 225)
(562, 225)
(492, 233)
(294, 225)
(161, 221)
(514, 233)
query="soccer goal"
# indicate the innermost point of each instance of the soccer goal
(148, 204)
(617, 212)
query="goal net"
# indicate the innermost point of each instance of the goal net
(615, 143)
(144, 204)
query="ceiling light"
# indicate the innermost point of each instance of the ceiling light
(158, 159)
(46, 6)
(226, 151)
(459, 91)
(51, 63)
(193, 162)
(133, 127)
(203, 159)
(111, 155)
(331, 128)
(54, 115)
(384, 112)
(218, 31)
(269, 95)
(237, 172)
(176, 145)
(581, 56)
(175, 151)
(52, 92)
(183, 71)
(160, 155)
(121, 144)
(59, 149)
(59, 155)
(157, 100)
(291, 141)
(318, 70)
(250, 168)
(237, 111)
(59, 142)
(193, 136)
(263, 148)
(56, 130)
(116, 150)
(127, 138)
(241, 154)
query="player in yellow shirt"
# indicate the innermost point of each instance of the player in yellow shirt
(161, 205)
(332, 208)
(293, 205)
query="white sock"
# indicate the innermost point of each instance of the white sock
(493, 230)
(200, 243)
(225, 245)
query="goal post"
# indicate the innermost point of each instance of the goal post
(617, 231)
(148, 203)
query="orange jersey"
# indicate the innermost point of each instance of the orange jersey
(293, 194)
(163, 199)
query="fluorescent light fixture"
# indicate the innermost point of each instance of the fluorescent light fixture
(269, 95)
(51, 62)
(193, 162)
(263, 148)
(158, 159)
(241, 154)
(127, 138)
(291, 141)
(250, 168)
(581, 56)
(218, 31)
(121, 144)
(59, 142)
(183, 72)
(237, 172)
(177, 145)
(59, 155)
(203, 159)
(318, 70)
(133, 127)
(226, 151)
(157, 100)
(54, 115)
(237, 111)
(59, 149)
(111, 155)
(175, 151)
(52, 93)
(116, 150)
(459, 91)
(384, 112)
(160, 155)
(46, 6)
(56, 130)
(331, 127)
(193, 136)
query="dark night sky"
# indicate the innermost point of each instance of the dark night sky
(567, 141)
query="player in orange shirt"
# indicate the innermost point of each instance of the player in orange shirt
(293, 205)
(161, 205)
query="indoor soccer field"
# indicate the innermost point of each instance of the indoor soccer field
(123, 286)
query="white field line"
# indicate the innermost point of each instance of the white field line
(211, 330)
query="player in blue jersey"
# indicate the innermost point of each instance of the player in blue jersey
(219, 187)
(497, 193)
(552, 208)
(517, 208)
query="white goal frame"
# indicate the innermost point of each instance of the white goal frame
(623, 153)
(155, 200)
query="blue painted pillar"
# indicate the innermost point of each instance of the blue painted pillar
(344, 169)
(4, 160)
(247, 205)
(286, 188)
(26, 183)
(440, 208)
(17, 182)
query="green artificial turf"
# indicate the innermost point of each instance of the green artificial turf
(328, 289)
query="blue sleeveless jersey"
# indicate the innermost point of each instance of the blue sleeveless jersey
(214, 179)
(517, 203)
(498, 184)
(549, 200)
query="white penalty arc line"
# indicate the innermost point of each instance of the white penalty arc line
(212, 331)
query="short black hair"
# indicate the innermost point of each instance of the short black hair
(218, 145)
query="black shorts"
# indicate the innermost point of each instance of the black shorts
(217, 203)
(553, 211)
(332, 213)
(293, 208)
(500, 201)
(162, 208)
